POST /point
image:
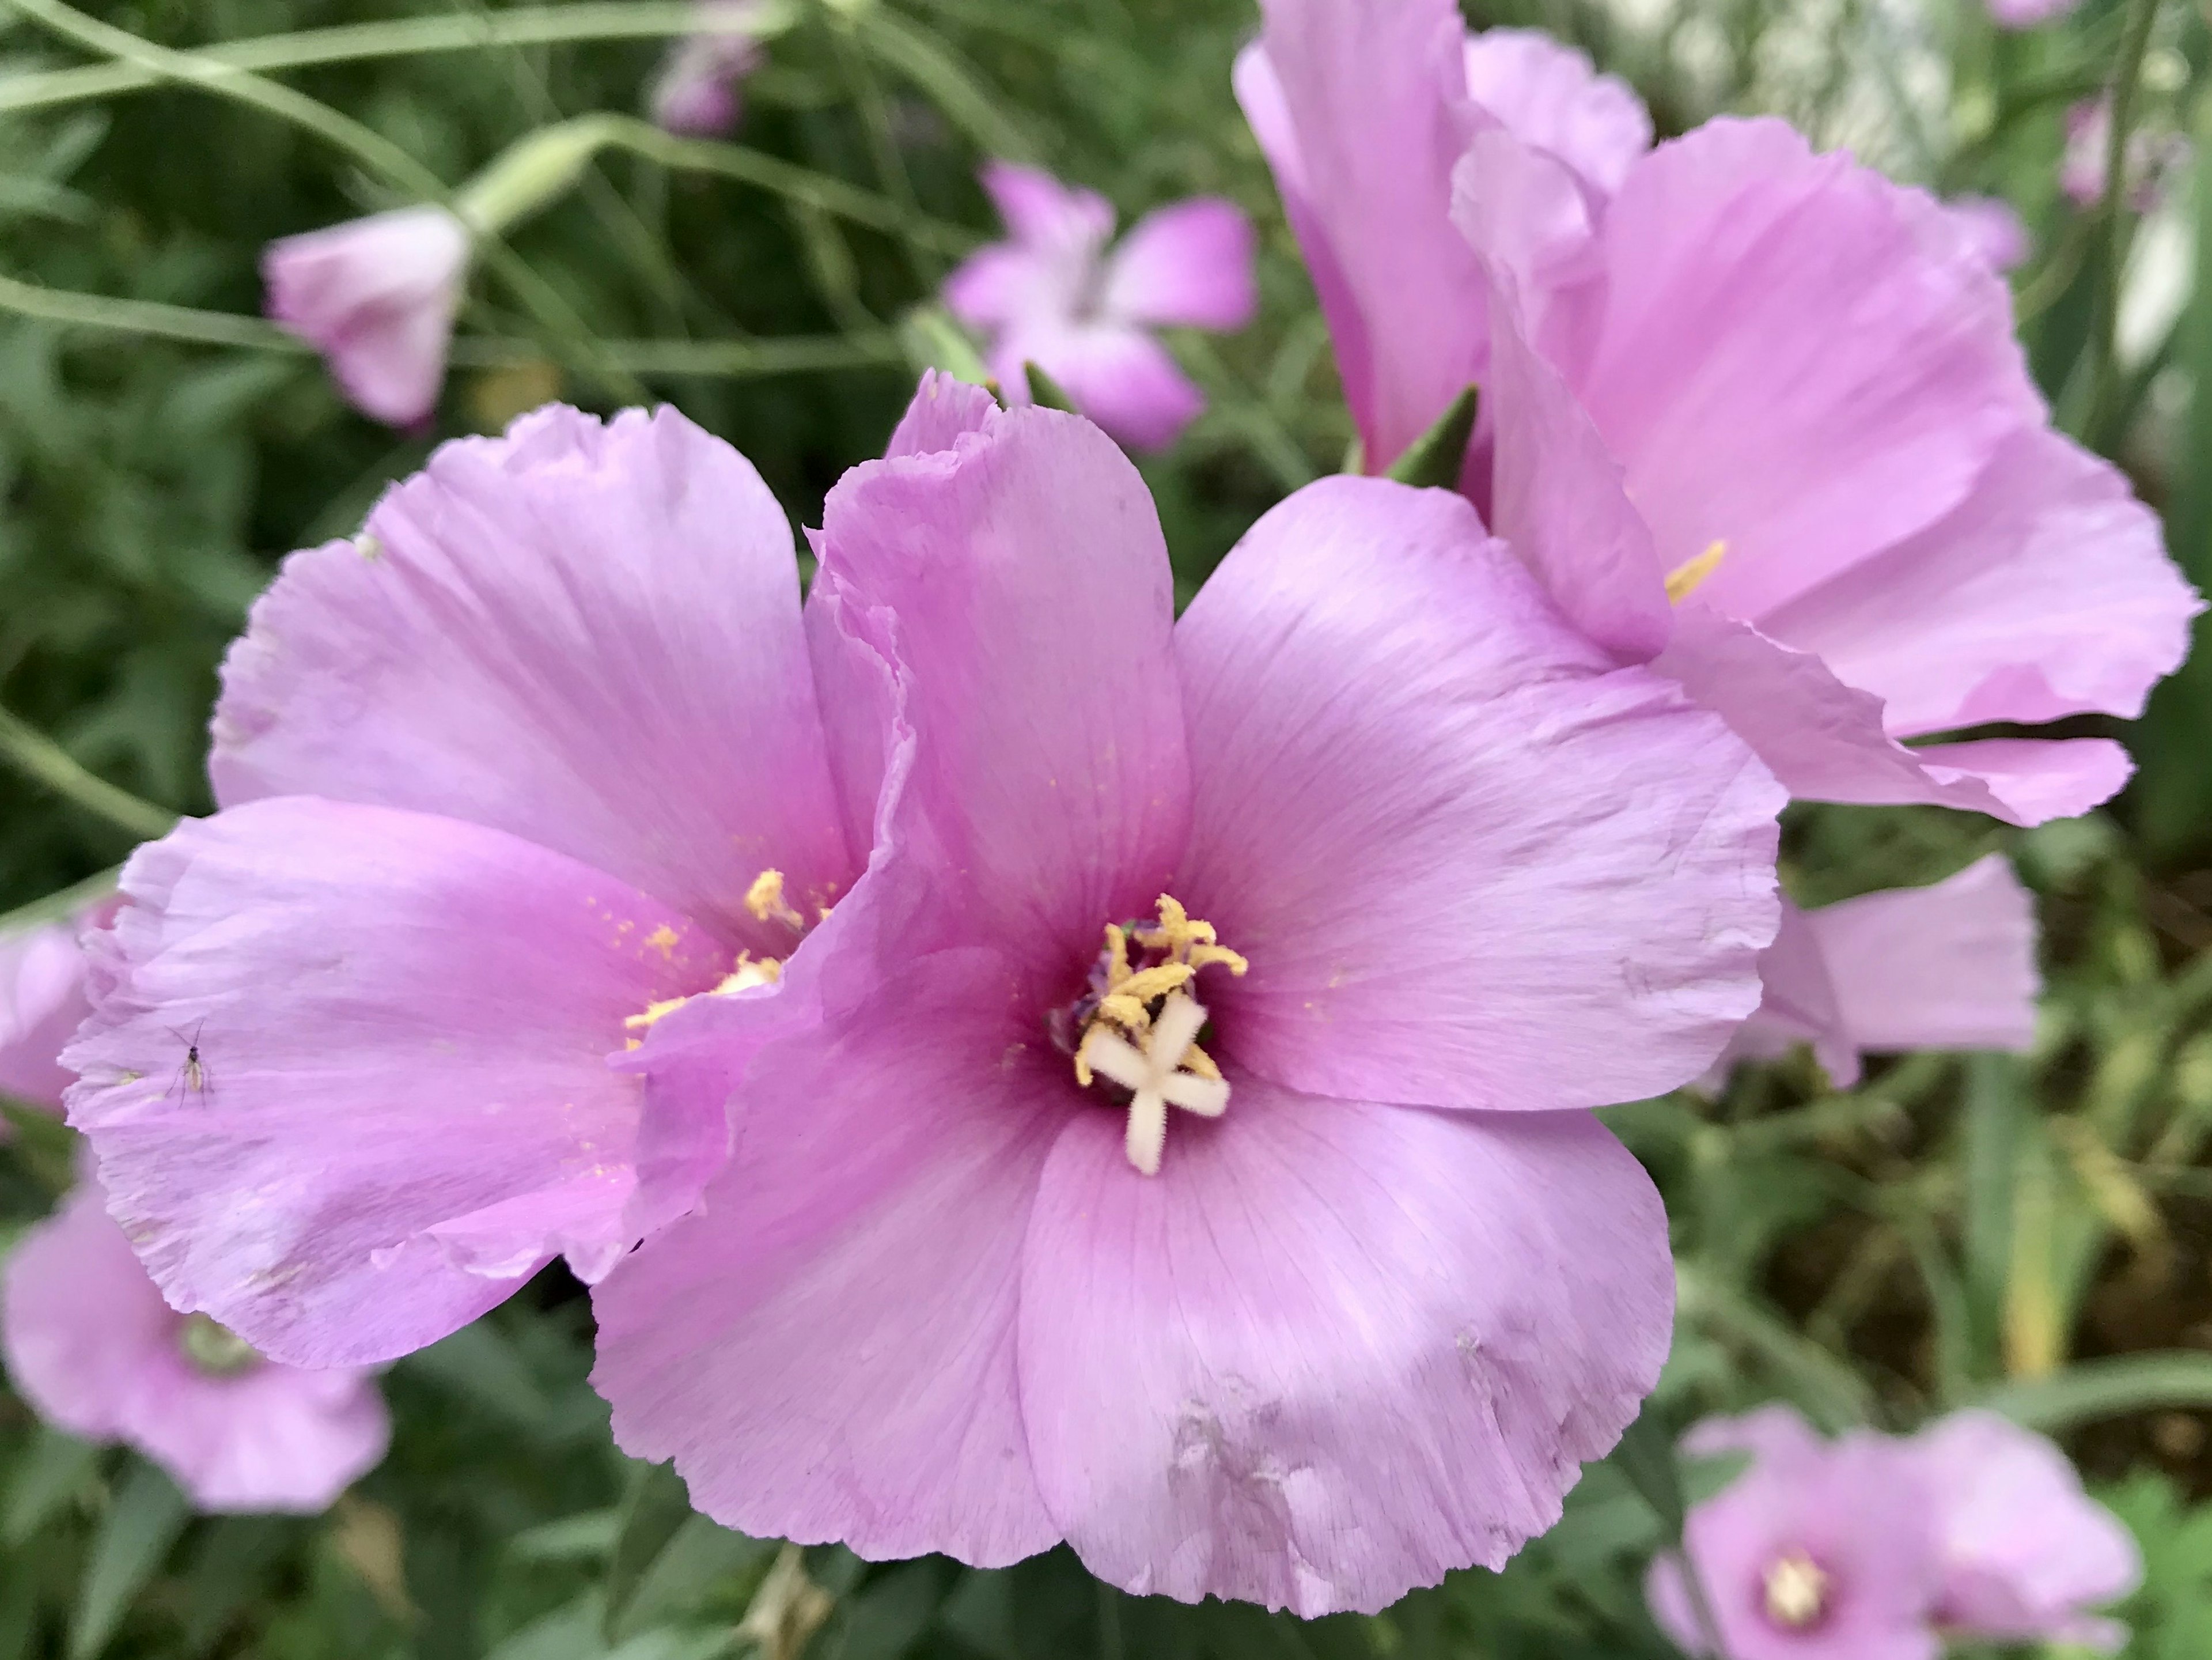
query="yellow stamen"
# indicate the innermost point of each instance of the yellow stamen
(1117, 955)
(765, 900)
(1196, 1060)
(1796, 1592)
(1206, 956)
(1685, 578)
(751, 971)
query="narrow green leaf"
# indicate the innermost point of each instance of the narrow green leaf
(700, 1561)
(1434, 460)
(1646, 1456)
(2107, 1388)
(657, 1506)
(53, 1467)
(146, 1514)
(1046, 391)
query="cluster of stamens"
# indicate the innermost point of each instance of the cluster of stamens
(216, 1349)
(1796, 1592)
(1136, 1026)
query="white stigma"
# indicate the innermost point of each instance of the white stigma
(1154, 1076)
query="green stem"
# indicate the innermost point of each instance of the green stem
(613, 19)
(58, 907)
(2113, 222)
(144, 316)
(31, 752)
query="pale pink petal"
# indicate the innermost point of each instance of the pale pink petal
(1471, 863)
(2048, 593)
(586, 635)
(377, 297)
(1994, 228)
(827, 1349)
(1532, 222)
(93, 1347)
(1826, 741)
(1361, 107)
(1548, 95)
(1119, 377)
(696, 91)
(1027, 584)
(41, 1002)
(999, 283)
(1797, 1005)
(2027, 1553)
(943, 409)
(1040, 211)
(1334, 1350)
(403, 1105)
(1772, 1434)
(1800, 360)
(1189, 264)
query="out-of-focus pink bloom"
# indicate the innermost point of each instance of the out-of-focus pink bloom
(2026, 14)
(96, 1352)
(1363, 107)
(2027, 1554)
(1336, 1303)
(1946, 967)
(41, 1002)
(1992, 230)
(1766, 426)
(1051, 294)
(697, 88)
(377, 297)
(1816, 1552)
(2151, 158)
(504, 781)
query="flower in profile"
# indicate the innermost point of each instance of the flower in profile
(1993, 229)
(2153, 158)
(93, 1349)
(1362, 108)
(1053, 296)
(2027, 1554)
(1946, 967)
(377, 297)
(1210, 1184)
(505, 780)
(696, 91)
(1815, 1552)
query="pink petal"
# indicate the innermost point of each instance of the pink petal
(1361, 107)
(94, 1350)
(1825, 741)
(1189, 264)
(1334, 1349)
(2048, 593)
(1797, 1005)
(1799, 359)
(1772, 1434)
(1025, 577)
(2025, 1551)
(1534, 225)
(377, 297)
(406, 1106)
(1002, 281)
(827, 1349)
(1042, 212)
(1993, 228)
(1119, 377)
(587, 635)
(41, 1002)
(1471, 863)
(1548, 95)
(943, 409)
(2026, 14)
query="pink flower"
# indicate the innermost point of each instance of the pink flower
(1311, 1309)
(1052, 295)
(41, 1003)
(2151, 158)
(504, 781)
(377, 297)
(697, 90)
(2026, 1553)
(1363, 107)
(1946, 967)
(1992, 230)
(2026, 14)
(1816, 1552)
(96, 1352)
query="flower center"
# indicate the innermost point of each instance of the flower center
(1133, 1032)
(216, 1349)
(1687, 577)
(765, 900)
(1796, 1592)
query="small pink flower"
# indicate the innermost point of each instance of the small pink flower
(1946, 967)
(1993, 229)
(1209, 1182)
(697, 89)
(2025, 1553)
(96, 1352)
(505, 780)
(377, 297)
(1051, 294)
(2152, 160)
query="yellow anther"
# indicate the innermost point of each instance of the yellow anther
(654, 1013)
(1196, 1060)
(765, 900)
(1117, 955)
(1796, 1592)
(1158, 980)
(1176, 933)
(1206, 956)
(1685, 579)
(1083, 1073)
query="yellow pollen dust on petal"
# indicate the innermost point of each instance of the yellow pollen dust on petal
(1796, 1592)
(750, 972)
(1687, 577)
(765, 900)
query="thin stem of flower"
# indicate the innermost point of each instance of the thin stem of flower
(365, 145)
(916, 56)
(145, 317)
(36, 756)
(54, 906)
(409, 37)
(2114, 220)
(1701, 1605)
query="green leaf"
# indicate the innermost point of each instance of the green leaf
(1045, 391)
(1434, 460)
(55, 1466)
(146, 1514)
(700, 1560)
(2108, 1387)
(1646, 1456)
(657, 1506)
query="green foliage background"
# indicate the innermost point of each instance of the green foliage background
(2034, 1234)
